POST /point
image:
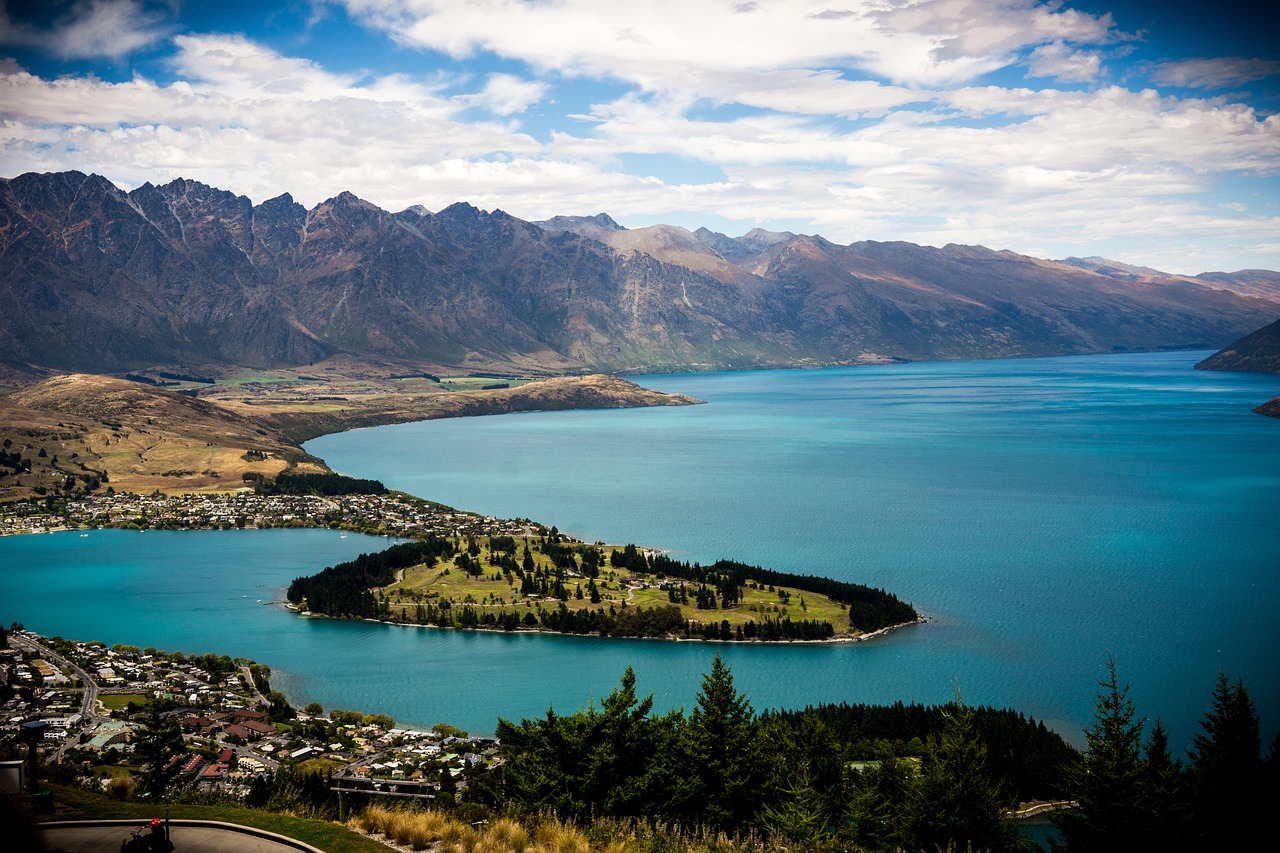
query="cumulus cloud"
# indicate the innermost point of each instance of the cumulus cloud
(914, 42)
(92, 29)
(858, 120)
(1061, 62)
(506, 94)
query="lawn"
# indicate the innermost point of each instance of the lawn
(499, 594)
(115, 701)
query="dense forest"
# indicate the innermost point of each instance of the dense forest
(900, 777)
(346, 591)
(286, 483)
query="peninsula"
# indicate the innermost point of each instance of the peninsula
(85, 451)
(550, 582)
(79, 434)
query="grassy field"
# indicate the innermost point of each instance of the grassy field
(499, 593)
(115, 701)
(475, 383)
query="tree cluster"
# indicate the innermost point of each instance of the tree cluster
(724, 768)
(286, 483)
(1025, 756)
(1132, 794)
(343, 590)
(869, 609)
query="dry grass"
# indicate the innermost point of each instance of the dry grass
(439, 833)
(120, 788)
(422, 830)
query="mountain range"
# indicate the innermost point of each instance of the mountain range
(97, 279)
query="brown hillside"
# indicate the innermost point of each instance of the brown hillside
(302, 421)
(140, 438)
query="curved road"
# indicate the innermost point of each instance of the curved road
(89, 705)
(187, 837)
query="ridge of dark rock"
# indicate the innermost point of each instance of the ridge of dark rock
(101, 280)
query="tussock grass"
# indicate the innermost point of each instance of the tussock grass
(120, 788)
(438, 832)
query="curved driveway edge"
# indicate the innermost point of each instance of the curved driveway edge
(188, 836)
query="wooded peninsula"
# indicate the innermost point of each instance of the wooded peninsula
(552, 583)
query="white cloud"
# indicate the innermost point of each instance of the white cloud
(916, 42)
(786, 137)
(92, 29)
(506, 94)
(1064, 63)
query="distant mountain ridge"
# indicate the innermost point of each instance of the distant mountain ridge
(98, 279)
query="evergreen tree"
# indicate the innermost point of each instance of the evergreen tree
(799, 813)
(1166, 809)
(876, 812)
(1107, 784)
(602, 761)
(159, 739)
(448, 796)
(720, 752)
(1226, 769)
(955, 801)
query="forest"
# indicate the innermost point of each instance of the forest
(900, 777)
(286, 483)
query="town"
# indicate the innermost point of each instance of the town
(390, 514)
(83, 705)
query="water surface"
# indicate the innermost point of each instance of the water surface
(1045, 513)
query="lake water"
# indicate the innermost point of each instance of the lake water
(1044, 513)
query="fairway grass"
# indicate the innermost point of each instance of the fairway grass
(496, 593)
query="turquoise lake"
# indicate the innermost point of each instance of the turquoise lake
(1043, 513)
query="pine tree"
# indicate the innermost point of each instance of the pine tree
(448, 796)
(1107, 784)
(877, 813)
(159, 739)
(721, 751)
(1226, 768)
(955, 801)
(1166, 809)
(800, 815)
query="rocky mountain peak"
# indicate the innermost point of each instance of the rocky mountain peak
(95, 279)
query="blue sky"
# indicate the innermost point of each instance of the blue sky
(1140, 131)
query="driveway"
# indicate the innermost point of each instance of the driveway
(187, 837)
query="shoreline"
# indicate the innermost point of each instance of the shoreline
(870, 635)
(123, 511)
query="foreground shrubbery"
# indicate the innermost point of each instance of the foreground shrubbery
(424, 829)
(617, 778)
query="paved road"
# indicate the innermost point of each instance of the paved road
(106, 838)
(89, 703)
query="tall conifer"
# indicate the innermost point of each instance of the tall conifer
(1226, 768)
(1107, 784)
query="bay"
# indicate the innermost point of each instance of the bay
(1044, 513)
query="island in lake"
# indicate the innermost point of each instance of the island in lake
(86, 451)
(553, 583)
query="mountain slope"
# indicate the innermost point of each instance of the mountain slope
(97, 279)
(105, 432)
(1257, 352)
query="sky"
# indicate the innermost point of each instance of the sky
(1145, 132)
